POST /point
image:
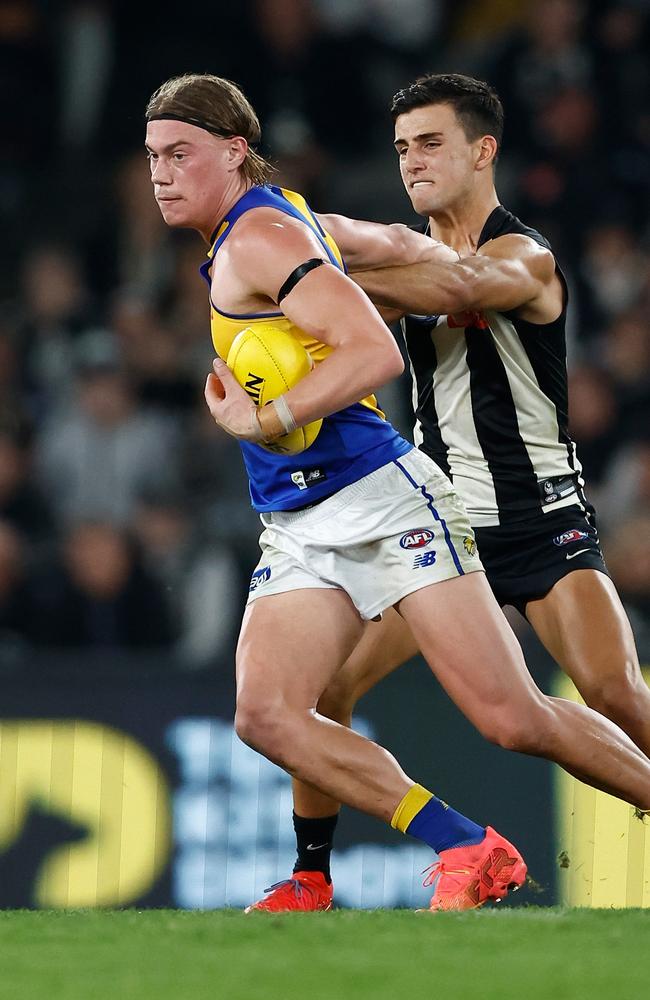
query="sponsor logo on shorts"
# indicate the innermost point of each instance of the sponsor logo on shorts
(305, 478)
(570, 536)
(259, 577)
(469, 545)
(416, 539)
(424, 559)
(580, 552)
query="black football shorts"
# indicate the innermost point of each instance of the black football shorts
(524, 560)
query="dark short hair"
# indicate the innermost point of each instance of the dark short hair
(216, 105)
(476, 104)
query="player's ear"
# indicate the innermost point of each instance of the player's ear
(237, 150)
(487, 149)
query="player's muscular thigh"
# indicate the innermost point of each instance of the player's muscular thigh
(383, 647)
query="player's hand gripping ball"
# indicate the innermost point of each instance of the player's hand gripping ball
(267, 362)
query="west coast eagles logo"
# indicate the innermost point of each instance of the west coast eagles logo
(469, 545)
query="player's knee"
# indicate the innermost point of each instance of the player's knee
(506, 732)
(616, 694)
(247, 725)
(523, 729)
(259, 726)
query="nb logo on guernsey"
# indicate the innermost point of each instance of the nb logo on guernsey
(416, 539)
(307, 477)
(259, 577)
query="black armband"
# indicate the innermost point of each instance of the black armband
(297, 275)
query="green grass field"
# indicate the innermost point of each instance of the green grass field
(161, 954)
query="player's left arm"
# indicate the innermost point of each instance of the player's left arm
(264, 252)
(510, 273)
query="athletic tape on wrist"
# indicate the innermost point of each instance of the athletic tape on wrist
(257, 434)
(270, 423)
(284, 414)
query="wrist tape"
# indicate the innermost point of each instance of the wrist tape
(274, 420)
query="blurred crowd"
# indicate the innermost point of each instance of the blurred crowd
(124, 521)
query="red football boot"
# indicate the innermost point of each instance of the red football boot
(467, 877)
(306, 891)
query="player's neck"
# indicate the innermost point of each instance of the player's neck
(231, 194)
(460, 225)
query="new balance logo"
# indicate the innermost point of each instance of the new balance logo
(426, 559)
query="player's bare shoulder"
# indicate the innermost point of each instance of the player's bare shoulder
(266, 229)
(269, 244)
(251, 263)
(538, 271)
(517, 246)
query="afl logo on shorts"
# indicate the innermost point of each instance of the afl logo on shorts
(259, 577)
(570, 536)
(416, 539)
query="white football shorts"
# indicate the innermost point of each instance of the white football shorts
(391, 533)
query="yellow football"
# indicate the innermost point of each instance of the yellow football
(267, 362)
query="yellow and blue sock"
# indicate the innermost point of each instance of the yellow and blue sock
(422, 815)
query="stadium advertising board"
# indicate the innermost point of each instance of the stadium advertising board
(133, 790)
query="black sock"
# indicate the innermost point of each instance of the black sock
(314, 838)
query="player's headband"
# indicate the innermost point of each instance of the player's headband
(192, 121)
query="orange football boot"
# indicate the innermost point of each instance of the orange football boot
(306, 891)
(467, 877)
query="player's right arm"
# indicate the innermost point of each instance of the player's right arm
(368, 245)
(511, 272)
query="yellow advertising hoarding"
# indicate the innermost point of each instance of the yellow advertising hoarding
(603, 847)
(105, 783)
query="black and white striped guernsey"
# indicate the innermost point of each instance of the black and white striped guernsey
(490, 396)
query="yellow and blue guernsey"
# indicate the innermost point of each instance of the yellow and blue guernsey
(352, 442)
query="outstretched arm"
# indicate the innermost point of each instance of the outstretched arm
(368, 245)
(508, 273)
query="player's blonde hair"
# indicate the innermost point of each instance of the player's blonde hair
(216, 105)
